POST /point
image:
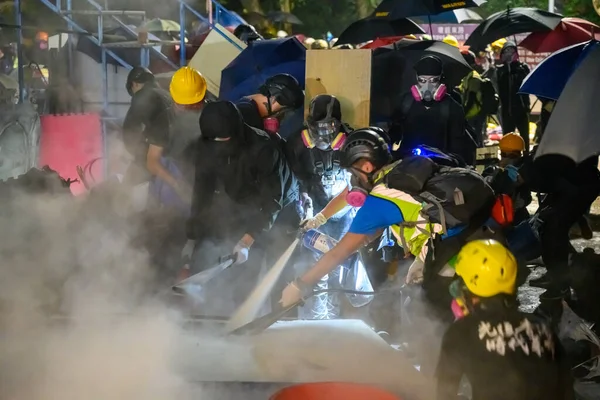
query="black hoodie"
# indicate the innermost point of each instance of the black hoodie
(249, 168)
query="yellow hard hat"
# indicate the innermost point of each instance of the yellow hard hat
(511, 142)
(188, 86)
(487, 268)
(498, 45)
(451, 40)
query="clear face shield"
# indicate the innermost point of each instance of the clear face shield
(323, 132)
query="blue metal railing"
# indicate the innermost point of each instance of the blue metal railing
(219, 10)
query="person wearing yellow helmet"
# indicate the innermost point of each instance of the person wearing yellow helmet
(491, 338)
(188, 88)
(451, 40)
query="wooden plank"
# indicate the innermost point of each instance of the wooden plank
(345, 74)
(214, 55)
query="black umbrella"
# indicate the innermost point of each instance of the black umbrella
(393, 73)
(410, 8)
(510, 22)
(572, 128)
(284, 17)
(371, 28)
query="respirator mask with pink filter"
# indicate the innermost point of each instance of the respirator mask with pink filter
(429, 87)
(358, 193)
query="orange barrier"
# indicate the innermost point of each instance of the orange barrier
(333, 391)
(70, 140)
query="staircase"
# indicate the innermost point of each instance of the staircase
(112, 107)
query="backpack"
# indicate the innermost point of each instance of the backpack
(452, 196)
(489, 98)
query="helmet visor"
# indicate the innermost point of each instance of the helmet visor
(323, 132)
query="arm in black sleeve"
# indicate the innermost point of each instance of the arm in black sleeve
(203, 192)
(270, 177)
(459, 141)
(136, 115)
(449, 371)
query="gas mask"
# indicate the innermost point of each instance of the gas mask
(271, 124)
(462, 301)
(324, 134)
(357, 195)
(508, 55)
(428, 88)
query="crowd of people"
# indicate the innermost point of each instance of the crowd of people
(408, 182)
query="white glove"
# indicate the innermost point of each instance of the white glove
(294, 292)
(188, 249)
(314, 222)
(241, 252)
(415, 272)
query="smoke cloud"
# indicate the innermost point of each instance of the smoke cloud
(78, 306)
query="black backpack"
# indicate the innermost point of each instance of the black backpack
(489, 98)
(453, 196)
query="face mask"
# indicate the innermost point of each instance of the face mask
(508, 55)
(459, 309)
(271, 125)
(428, 88)
(357, 195)
(325, 133)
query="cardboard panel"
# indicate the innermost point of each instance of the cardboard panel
(345, 74)
(215, 53)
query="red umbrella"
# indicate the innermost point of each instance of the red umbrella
(570, 31)
(384, 41)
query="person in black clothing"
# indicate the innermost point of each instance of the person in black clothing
(504, 353)
(514, 113)
(570, 191)
(265, 109)
(315, 159)
(246, 33)
(146, 131)
(428, 116)
(244, 197)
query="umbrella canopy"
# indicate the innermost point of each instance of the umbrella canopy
(260, 60)
(571, 130)
(511, 22)
(393, 73)
(372, 28)
(284, 17)
(380, 42)
(570, 31)
(161, 25)
(550, 77)
(410, 8)
(458, 16)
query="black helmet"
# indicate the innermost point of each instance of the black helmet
(324, 120)
(286, 90)
(246, 33)
(366, 143)
(138, 75)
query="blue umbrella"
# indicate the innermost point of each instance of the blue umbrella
(259, 61)
(452, 17)
(571, 130)
(549, 78)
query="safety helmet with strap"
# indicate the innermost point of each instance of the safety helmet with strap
(367, 144)
(285, 89)
(487, 268)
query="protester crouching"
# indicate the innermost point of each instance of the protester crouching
(243, 204)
